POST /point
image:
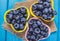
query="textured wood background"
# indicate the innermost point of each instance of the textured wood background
(8, 36)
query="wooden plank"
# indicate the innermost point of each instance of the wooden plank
(2, 11)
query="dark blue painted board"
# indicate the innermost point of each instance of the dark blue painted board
(8, 36)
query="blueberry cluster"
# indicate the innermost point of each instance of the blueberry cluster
(44, 9)
(37, 30)
(17, 18)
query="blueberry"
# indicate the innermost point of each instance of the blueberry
(32, 37)
(15, 12)
(18, 21)
(46, 30)
(43, 33)
(41, 2)
(23, 19)
(38, 22)
(17, 17)
(39, 36)
(38, 13)
(54, 12)
(8, 20)
(50, 10)
(11, 12)
(43, 27)
(21, 26)
(46, 34)
(13, 21)
(10, 16)
(48, 1)
(20, 15)
(28, 36)
(35, 25)
(37, 30)
(23, 10)
(30, 22)
(44, 16)
(46, 4)
(16, 26)
(35, 11)
(34, 7)
(49, 17)
(25, 15)
(40, 6)
(30, 29)
(45, 10)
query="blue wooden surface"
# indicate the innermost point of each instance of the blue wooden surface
(8, 36)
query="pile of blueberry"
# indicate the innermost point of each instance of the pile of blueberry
(17, 18)
(44, 9)
(37, 30)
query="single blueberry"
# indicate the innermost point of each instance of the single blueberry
(50, 10)
(18, 21)
(23, 19)
(30, 23)
(48, 1)
(21, 15)
(43, 27)
(46, 4)
(8, 20)
(15, 12)
(37, 30)
(38, 13)
(35, 11)
(17, 17)
(54, 12)
(10, 16)
(46, 34)
(23, 10)
(41, 2)
(16, 26)
(11, 12)
(30, 29)
(25, 15)
(13, 21)
(44, 16)
(40, 6)
(21, 26)
(34, 7)
(28, 36)
(46, 30)
(49, 17)
(35, 25)
(32, 37)
(38, 22)
(43, 33)
(45, 10)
